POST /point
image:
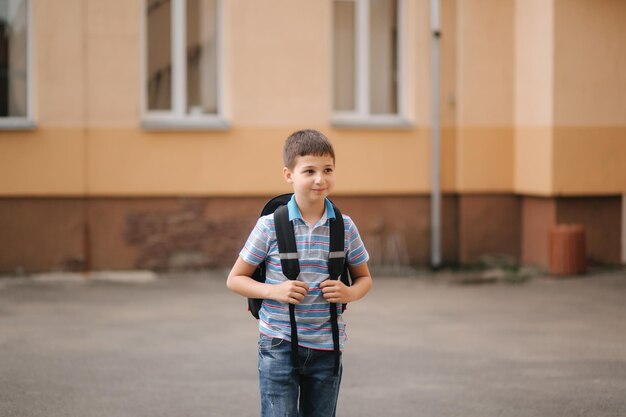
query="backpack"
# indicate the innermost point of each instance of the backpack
(337, 266)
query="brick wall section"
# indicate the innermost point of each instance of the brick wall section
(170, 233)
(602, 219)
(396, 229)
(538, 215)
(489, 225)
(42, 234)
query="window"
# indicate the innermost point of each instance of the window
(366, 63)
(182, 65)
(15, 74)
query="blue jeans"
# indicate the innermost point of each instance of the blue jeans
(314, 381)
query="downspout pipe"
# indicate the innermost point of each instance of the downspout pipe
(435, 179)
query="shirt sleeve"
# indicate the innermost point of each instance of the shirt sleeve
(357, 254)
(257, 246)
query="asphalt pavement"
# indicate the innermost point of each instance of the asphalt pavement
(139, 344)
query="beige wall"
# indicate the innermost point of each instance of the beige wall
(570, 99)
(247, 161)
(590, 97)
(58, 58)
(534, 69)
(88, 61)
(42, 163)
(87, 56)
(485, 62)
(448, 96)
(589, 160)
(533, 103)
(120, 161)
(590, 63)
(534, 160)
(280, 67)
(534, 92)
(530, 90)
(484, 153)
(113, 57)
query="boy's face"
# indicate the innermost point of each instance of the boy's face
(312, 177)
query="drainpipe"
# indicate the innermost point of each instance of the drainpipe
(435, 193)
(87, 247)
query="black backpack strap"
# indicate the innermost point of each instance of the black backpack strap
(255, 304)
(336, 265)
(286, 238)
(288, 252)
(337, 254)
(335, 330)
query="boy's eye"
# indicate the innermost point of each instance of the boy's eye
(329, 170)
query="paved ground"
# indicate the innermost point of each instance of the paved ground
(182, 345)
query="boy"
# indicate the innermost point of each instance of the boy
(310, 168)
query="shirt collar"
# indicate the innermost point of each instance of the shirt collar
(294, 211)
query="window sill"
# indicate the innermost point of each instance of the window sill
(186, 124)
(371, 122)
(16, 123)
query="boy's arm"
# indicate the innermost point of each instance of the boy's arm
(240, 281)
(336, 291)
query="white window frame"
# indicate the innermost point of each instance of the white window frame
(24, 122)
(362, 116)
(177, 118)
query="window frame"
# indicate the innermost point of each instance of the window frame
(362, 116)
(177, 118)
(24, 122)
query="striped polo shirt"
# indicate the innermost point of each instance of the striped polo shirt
(312, 242)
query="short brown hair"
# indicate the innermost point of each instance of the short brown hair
(306, 142)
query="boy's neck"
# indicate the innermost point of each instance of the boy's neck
(311, 212)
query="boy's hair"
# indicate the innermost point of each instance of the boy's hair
(306, 142)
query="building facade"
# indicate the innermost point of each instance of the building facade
(148, 133)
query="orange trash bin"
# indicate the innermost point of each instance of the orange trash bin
(567, 249)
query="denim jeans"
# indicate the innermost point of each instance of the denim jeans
(313, 382)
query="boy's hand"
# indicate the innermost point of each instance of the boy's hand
(290, 291)
(335, 291)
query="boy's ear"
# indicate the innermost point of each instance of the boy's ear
(287, 174)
